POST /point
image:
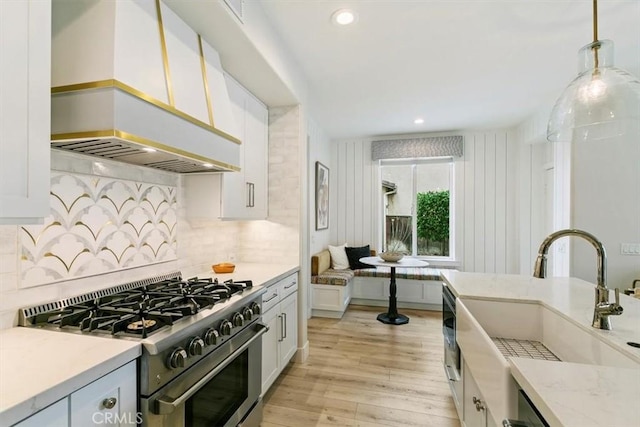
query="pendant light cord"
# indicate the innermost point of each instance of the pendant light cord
(595, 20)
(596, 46)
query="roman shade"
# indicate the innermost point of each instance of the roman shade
(435, 146)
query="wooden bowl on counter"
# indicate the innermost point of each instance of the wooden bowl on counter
(223, 267)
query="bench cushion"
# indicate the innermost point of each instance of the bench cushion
(333, 277)
(424, 273)
(320, 262)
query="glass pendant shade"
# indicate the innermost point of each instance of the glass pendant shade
(602, 102)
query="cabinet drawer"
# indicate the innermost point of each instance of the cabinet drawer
(288, 285)
(271, 298)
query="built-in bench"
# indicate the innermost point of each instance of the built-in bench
(333, 290)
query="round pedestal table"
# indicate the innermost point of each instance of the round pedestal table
(392, 317)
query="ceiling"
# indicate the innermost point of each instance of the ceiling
(471, 64)
(458, 64)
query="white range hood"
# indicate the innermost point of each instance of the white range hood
(132, 82)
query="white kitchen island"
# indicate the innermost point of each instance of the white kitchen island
(598, 366)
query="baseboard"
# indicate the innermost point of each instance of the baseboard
(400, 304)
(327, 313)
(302, 353)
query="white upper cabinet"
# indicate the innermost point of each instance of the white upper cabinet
(25, 61)
(236, 195)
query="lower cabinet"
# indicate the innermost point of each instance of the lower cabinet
(110, 400)
(280, 314)
(475, 410)
(55, 415)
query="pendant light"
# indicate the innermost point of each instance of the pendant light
(602, 102)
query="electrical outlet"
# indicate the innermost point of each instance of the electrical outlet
(630, 248)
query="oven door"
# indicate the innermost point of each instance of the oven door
(223, 389)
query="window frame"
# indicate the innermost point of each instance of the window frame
(413, 163)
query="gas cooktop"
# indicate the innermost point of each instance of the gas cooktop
(137, 309)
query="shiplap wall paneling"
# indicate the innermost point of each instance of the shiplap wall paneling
(491, 197)
(468, 246)
(486, 235)
(354, 201)
(479, 203)
(490, 232)
(501, 204)
(513, 227)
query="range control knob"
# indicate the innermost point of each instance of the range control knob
(177, 358)
(238, 319)
(196, 345)
(255, 308)
(211, 337)
(247, 313)
(225, 327)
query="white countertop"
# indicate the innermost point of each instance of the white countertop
(561, 390)
(576, 395)
(260, 274)
(39, 367)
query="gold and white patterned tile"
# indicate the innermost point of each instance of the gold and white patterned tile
(98, 225)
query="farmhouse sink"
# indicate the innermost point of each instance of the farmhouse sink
(482, 324)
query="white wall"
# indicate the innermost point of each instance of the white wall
(485, 195)
(596, 188)
(606, 202)
(319, 150)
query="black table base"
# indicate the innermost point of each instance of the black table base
(392, 317)
(400, 319)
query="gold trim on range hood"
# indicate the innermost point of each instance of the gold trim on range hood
(130, 148)
(112, 83)
(126, 147)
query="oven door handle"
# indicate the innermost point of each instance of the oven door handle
(166, 405)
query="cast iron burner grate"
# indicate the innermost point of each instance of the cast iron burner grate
(510, 347)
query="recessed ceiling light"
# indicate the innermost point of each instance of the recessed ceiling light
(418, 121)
(149, 149)
(207, 165)
(343, 17)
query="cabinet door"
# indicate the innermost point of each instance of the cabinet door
(256, 157)
(475, 415)
(25, 103)
(110, 400)
(234, 193)
(289, 338)
(270, 347)
(55, 415)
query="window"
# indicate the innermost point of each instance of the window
(417, 204)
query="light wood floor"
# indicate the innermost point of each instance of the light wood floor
(361, 372)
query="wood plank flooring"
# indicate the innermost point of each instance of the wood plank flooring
(361, 372)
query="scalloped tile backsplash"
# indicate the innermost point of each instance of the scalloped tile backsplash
(97, 225)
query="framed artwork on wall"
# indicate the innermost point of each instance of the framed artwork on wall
(322, 196)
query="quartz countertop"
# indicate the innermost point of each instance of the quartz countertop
(39, 367)
(568, 394)
(577, 395)
(260, 274)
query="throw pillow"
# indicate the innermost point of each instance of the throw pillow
(354, 255)
(339, 260)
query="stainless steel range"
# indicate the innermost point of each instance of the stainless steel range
(202, 354)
